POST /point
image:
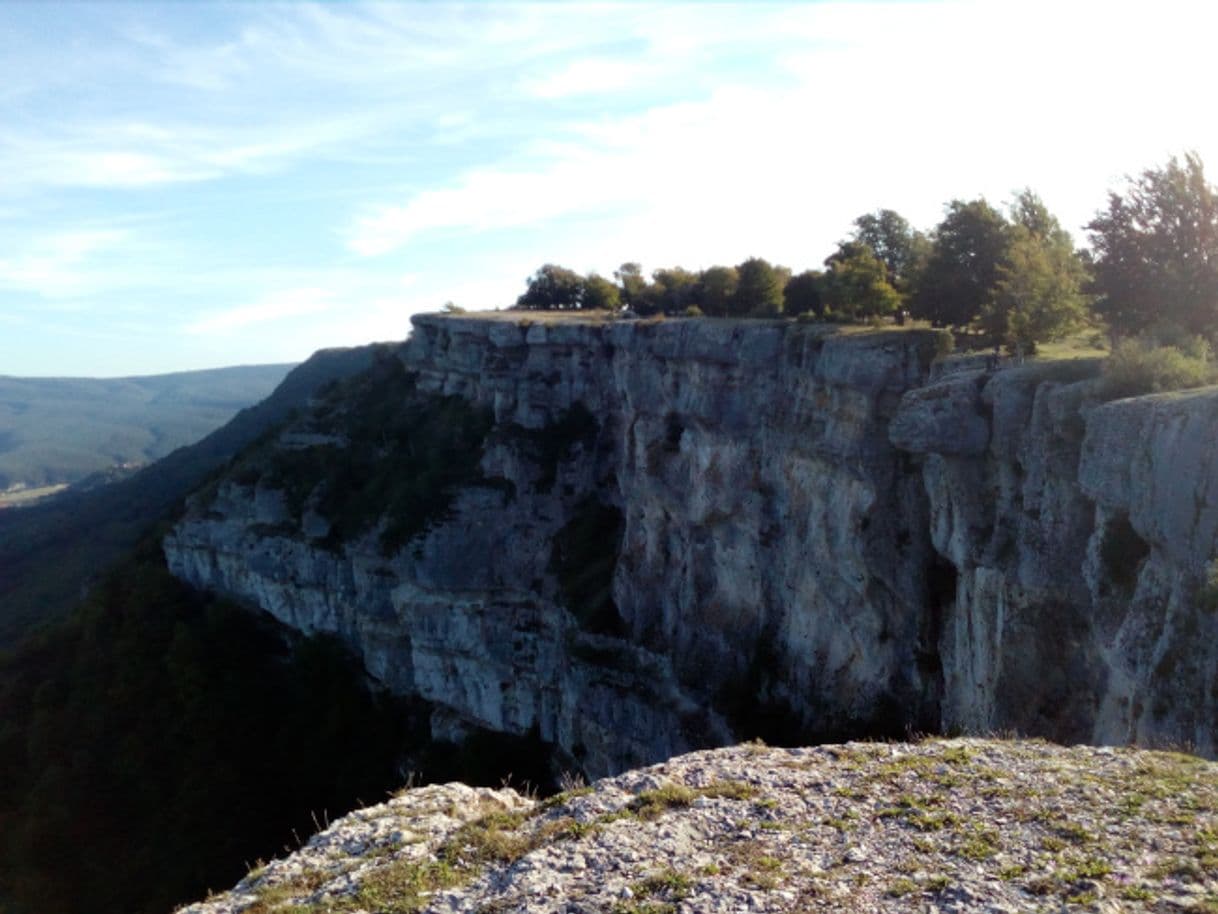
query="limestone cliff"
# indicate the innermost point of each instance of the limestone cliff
(955, 826)
(637, 538)
(1079, 535)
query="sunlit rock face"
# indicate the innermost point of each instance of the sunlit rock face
(676, 533)
(1079, 540)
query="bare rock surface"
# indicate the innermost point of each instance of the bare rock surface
(681, 533)
(937, 826)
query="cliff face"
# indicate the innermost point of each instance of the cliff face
(658, 536)
(1080, 536)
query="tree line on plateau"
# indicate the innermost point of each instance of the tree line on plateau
(1015, 278)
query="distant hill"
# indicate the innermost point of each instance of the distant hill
(60, 430)
(50, 551)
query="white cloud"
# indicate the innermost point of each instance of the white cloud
(475, 142)
(899, 105)
(59, 264)
(277, 306)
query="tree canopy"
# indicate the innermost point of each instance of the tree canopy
(856, 283)
(717, 289)
(966, 250)
(759, 289)
(553, 288)
(600, 294)
(803, 294)
(1015, 276)
(1038, 293)
(902, 248)
(1156, 251)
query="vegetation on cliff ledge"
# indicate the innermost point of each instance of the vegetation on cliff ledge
(389, 453)
(1012, 279)
(160, 739)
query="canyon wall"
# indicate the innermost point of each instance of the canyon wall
(665, 535)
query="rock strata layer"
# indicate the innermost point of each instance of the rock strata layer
(676, 533)
(960, 825)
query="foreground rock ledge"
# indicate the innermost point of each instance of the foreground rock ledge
(941, 825)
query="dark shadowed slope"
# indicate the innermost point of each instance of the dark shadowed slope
(58, 430)
(49, 552)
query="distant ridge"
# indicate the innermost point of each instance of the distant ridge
(49, 552)
(59, 430)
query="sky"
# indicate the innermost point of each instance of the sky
(192, 185)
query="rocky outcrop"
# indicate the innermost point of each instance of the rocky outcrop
(678, 531)
(963, 825)
(646, 537)
(1079, 535)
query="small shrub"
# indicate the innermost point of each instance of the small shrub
(937, 883)
(650, 804)
(1140, 366)
(667, 883)
(898, 888)
(693, 311)
(729, 790)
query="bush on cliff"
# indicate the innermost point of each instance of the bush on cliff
(1141, 366)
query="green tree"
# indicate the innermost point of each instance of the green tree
(758, 289)
(632, 282)
(673, 289)
(966, 250)
(600, 294)
(552, 288)
(902, 248)
(856, 283)
(717, 289)
(1038, 294)
(802, 294)
(1156, 251)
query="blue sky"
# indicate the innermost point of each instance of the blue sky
(204, 184)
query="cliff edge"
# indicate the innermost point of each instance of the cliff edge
(632, 539)
(960, 825)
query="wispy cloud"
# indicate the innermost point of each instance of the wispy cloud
(134, 154)
(251, 182)
(278, 306)
(59, 264)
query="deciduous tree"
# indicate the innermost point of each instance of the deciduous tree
(673, 289)
(759, 288)
(553, 288)
(600, 294)
(632, 282)
(803, 294)
(1156, 251)
(902, 248)
(967, 248)
(856, 283)
(716, 289)
(1038, 294)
